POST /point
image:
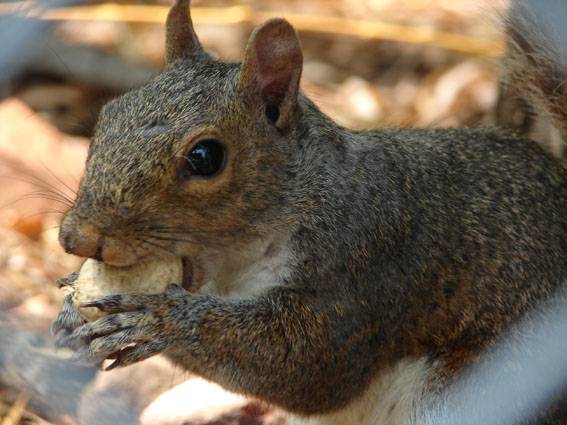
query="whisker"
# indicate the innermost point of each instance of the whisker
(145, 241)
(168, 230)
(23, 198)
(46, 229)
(164, 238)
(42, 212)
(202, 236)
(21, 169)
(46, 195)
(56, 177)
(40, 184)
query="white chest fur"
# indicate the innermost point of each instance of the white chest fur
(396, 397)
(248, 271)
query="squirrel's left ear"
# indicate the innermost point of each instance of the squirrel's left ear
(181, 42)
(272, 68)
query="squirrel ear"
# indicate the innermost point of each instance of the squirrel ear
(181, 42)
(272, 68)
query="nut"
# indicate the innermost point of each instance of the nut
(97, 279)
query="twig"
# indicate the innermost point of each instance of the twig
(23, 38)
(88, 65)
(365, 29)
(16, 412)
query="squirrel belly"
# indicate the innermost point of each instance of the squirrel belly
(397, 397)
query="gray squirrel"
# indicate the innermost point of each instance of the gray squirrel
(346, 277)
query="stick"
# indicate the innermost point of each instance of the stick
(364, 29)
(16, 412)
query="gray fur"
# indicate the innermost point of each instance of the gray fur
(406, 242)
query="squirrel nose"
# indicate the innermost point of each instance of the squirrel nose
(82, 240)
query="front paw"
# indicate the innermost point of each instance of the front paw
(66, 322)
(137, 327)
(69, 317)
(68, 281)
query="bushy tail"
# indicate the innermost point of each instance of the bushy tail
(536, 62)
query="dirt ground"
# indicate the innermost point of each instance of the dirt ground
(368, 63)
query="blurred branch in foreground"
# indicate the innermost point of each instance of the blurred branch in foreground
(365, 29)
(88, 65)
(521, 377)
(24, 35)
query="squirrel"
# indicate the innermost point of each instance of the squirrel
(348, 277)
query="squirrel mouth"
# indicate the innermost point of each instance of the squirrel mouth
(187, 280)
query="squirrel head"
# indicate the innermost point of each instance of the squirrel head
(201, 156)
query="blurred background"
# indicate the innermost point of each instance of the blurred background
(368, 63)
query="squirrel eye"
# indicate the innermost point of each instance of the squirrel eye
(205, 159)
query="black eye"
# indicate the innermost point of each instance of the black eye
(205, 159)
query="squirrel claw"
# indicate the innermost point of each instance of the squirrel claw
(119, 303)
(113, 365)
(121, 346)
(136, 353)
(132, 331)
(68, 280)
(96, 304)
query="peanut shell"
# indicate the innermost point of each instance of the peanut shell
(97, 279)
